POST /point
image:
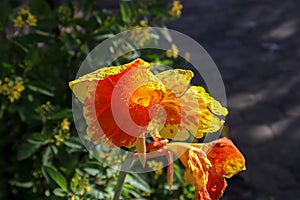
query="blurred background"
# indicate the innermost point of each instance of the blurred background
(255, 45)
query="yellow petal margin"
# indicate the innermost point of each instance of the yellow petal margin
(82, 86)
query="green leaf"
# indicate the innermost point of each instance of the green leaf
(26, 150)
(127, 188)
(91, 171)
(40, 90)
(28, 184)
(38, 138)
(47, 156)
(138, 182)
(66, 113)
(57, 177)
(125, 12)
(59, 192)
(73, 143)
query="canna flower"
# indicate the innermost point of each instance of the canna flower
(133, 91)
(208, 164)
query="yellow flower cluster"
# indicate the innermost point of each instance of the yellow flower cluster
(65, 125)
(112, 160)
(172, 52)
(157, 166)
(140, 35)
(11, 89)
(37, 174)
(24, 17)
(79, 186)
(47, 107)
(63, 132)
(175, 11)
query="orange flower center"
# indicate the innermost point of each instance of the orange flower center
(146, 96)
(142, 100)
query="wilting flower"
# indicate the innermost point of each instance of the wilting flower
(208, 164)
(132, 91)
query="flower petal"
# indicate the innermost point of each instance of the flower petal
(141, 149)
(199, 117)
(172, 126)
(84, 85)
(170, 170)
(226, 158)
(216, 185)
(207, 165)
(176, 80)
(95, 91)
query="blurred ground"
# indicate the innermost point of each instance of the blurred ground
(256, 45)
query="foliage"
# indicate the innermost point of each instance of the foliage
(42, 46)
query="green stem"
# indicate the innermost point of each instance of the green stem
(2, 109)
(122, 175)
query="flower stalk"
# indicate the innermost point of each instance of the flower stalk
(122, 176)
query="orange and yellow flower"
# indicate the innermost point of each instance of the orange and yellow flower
(132, 88)
(208, 164)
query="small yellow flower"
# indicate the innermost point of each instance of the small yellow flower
(65, 125)
(146, 194)
(11, 89)
(24, 11)
(62, 134)
(157, 167)
(172, 52)
(143, 23)
(73, 197)
(140, 35)
(18, 22)
(19, 86)
(31, 20)
(47, 107)
(187, 56)
(87, 188)
(175, 11)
